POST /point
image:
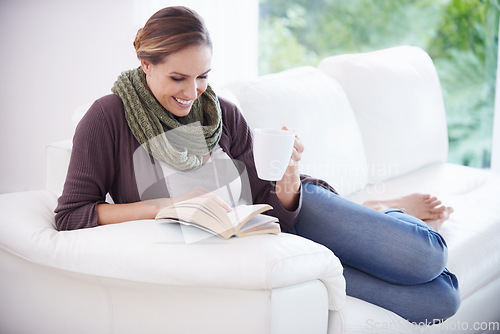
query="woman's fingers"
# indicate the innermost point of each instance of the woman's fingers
(202, 192)
(219, 201)
(298, 146)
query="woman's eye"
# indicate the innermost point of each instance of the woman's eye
(176, 79)
(203, 76)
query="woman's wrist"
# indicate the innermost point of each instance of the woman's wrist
(119, 213)
(288, 190)
(157, 204)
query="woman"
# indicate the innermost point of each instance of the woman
(164, 136)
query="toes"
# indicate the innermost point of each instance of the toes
(438, 209)
(433, 200)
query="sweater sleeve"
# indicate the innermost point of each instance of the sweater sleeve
(90, 172)
(240, 142)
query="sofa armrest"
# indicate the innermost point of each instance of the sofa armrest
(152, 252)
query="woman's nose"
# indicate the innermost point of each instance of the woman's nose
(191, 90)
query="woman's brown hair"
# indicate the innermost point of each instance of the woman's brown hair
(170, 30)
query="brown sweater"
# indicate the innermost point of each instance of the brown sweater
(102, 162)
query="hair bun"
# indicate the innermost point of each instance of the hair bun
(170, 30)
(137, 40)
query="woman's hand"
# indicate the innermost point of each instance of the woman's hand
(201, 192)
(298, 148)
(118, 213)
(287, 189)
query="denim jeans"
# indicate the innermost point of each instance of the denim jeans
(390, 259)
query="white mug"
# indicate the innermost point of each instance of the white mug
(272, 150)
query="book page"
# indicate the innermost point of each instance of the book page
(241, 214)
(203, 212)
(260, 224)
(259, 220)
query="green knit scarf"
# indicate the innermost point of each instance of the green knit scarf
(180, 142)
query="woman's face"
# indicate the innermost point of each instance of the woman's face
(180, 79)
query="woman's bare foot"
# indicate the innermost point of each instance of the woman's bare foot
(436, 223)
(425, 207)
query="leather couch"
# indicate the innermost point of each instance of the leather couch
(374, 126)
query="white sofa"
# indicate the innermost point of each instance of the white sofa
(374, 126)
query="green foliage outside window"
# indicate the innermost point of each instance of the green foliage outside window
(461, 36)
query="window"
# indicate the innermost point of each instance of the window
(461, 36)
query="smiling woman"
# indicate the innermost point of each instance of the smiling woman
(164, 136)
(167, 92)
(164, 120)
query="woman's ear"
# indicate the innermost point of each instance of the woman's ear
(146, 66)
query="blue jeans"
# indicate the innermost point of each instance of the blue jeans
(390, 259)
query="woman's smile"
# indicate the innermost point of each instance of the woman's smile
(183, 103)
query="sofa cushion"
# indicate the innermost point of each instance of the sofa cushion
(396, 96)
(316, 107)
(473, 230)
(473, 237)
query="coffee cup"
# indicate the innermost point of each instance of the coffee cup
(272, 149)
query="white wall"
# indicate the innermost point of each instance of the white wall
(57, 55)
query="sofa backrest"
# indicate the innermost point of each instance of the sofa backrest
(58, 156)
(308, 101)
(397, 100)
(363, 118)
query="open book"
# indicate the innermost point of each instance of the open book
(206, 214)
